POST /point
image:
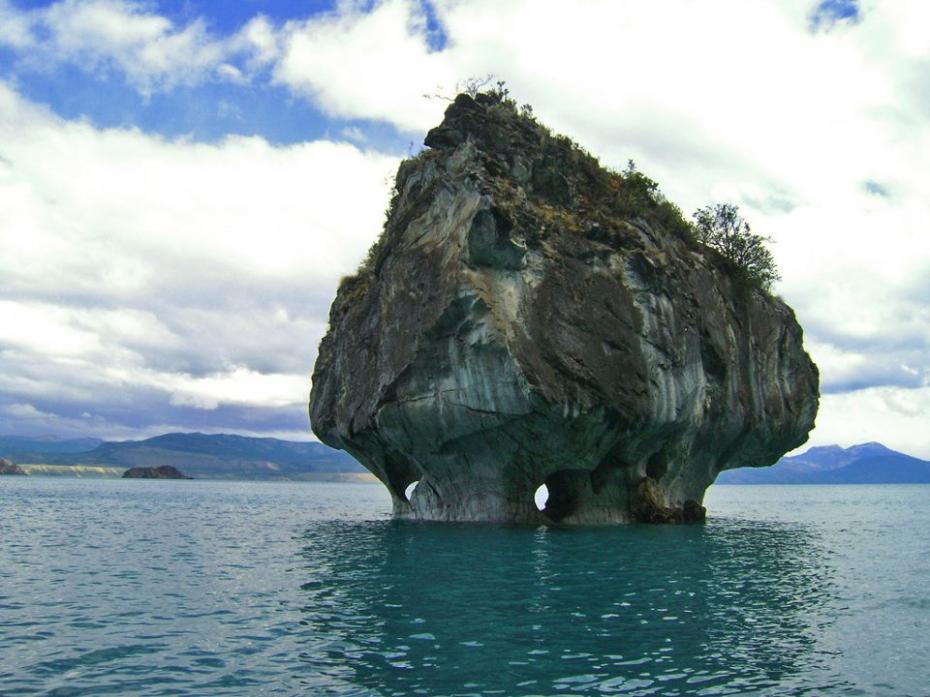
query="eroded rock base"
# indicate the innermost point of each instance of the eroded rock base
(647, 506)
(572, 500)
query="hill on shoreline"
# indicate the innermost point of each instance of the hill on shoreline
(225, 456)
(203, 456)
(866, 463)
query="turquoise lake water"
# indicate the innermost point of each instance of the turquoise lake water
(130, 587)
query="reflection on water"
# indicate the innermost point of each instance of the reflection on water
(405, 608)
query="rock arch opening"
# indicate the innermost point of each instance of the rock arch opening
(657, 466)
(540, 497)
(566, 490)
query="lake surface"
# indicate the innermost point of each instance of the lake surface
(132, 587)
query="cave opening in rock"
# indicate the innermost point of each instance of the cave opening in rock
(408, 492)
(565, 491)
(657, 466)
(541, 497)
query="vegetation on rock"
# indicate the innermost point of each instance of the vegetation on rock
(571, 191)
(722, 228)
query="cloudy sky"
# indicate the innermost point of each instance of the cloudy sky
(183, 183)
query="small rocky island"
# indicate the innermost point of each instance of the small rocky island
(163, 472)
(8, 468)
(528, 317)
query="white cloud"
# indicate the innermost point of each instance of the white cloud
(369, 65)
(126, 36)
(42, 331)
(104, 208)
(898, 418)
(259, 40)
(198, 272)
(354, 133)
(24, 411)
(240, 386)
(15, 29)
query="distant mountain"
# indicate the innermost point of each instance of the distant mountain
(199, 455)
(20, 448)
(225, 456)
(867, 463)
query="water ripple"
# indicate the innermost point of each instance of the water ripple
(187, 588)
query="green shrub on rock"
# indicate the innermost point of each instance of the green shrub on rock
(721, 227)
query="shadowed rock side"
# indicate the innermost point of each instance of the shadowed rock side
(163, 472)
(525, 318)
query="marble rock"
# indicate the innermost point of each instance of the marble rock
(528, 317)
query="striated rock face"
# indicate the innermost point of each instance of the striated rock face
(528, 317)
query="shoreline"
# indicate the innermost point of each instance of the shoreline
(44, 470)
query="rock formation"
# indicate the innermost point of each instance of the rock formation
(163, 472)
(7, 467)
(528, 317)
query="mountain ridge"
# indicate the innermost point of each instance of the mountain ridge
(864, 463)
(220, 456)
(233, 456)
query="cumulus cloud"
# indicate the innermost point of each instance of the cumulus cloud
(895, 417)
(239, 386)
(145, 273)
(24, 411)
(366, 64)
(127, 37)
(15, 27)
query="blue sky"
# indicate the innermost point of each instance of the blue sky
(183, 183)
(210, 109)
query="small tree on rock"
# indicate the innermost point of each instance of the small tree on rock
(722, 228)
